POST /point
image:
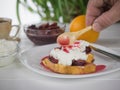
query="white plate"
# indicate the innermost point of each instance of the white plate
(32, 58)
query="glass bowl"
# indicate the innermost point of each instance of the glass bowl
(8, 52)
(44, 33)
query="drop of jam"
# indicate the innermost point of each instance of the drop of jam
(63, 40)
(100, 67)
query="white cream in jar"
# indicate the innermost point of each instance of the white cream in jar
(8, 51)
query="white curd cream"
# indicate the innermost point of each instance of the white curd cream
(69, 53)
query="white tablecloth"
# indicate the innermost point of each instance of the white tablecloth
(17, 77)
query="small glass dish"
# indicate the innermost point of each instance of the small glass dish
(8, 52)
(44, 33)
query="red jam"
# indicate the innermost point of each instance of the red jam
(100, 68)
(44, 34)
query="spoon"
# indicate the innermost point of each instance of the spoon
(70, 37)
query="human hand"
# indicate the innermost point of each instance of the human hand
(102, 13)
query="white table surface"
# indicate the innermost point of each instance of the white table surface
(17, 77)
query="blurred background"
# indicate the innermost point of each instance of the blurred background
(26, 11)
(8, 9)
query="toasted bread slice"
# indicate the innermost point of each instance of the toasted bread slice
(59, 68)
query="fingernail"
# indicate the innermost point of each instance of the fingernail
(97, 27)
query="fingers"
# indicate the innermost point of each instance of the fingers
(93, 11)
(99, 19)
(107, 18)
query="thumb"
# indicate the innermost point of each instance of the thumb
(107, 18)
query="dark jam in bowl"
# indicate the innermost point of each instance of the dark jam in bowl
(44, 33)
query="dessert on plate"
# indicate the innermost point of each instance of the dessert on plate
(71, 59)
